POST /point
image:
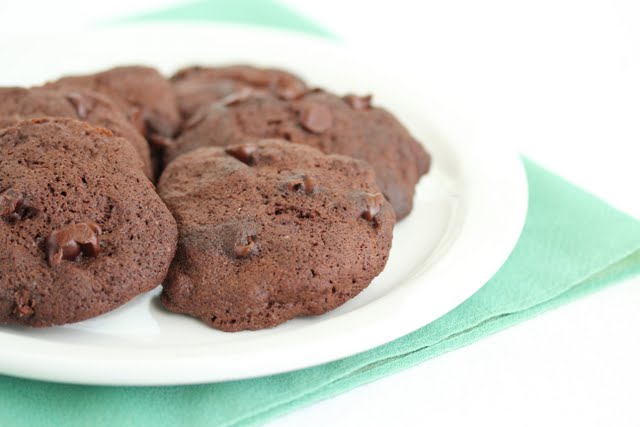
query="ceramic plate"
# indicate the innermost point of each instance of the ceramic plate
(468, 215)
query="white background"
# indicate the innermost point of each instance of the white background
(561, 80)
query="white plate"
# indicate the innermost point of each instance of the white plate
(468, 215)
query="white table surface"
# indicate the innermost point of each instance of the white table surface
(561, 80)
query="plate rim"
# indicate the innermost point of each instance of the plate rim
(144, 370)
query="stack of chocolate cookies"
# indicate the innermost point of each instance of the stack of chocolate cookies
(273, 200)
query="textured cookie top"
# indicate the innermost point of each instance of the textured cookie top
(270, 231)
(350, 126)
(141, 92)
(82, 230)
(198, 86)
(18, 104)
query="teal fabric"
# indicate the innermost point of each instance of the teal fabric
(572, 244)
(261, 13)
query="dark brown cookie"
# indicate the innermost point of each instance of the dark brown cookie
(348, 125)
(198, 86)
(17, 104)
(270, 231)
(141, 92)
(82, 230)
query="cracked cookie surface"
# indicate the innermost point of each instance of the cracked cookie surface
(142, 93)
(347, 125)
(17, 104)
(197, 86)
(82, 230)
(270, 231)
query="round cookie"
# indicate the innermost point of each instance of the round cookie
(141, 92)
(350, 126)
(198, 86)
(270, 231)
(82, 230)
(17, 104)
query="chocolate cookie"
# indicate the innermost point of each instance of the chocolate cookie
(82, 230)
(141, 92)
(17, 104)
(270, 231)
(198, 86)
(348, 125)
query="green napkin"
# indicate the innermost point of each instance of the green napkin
(260, 13)
(572, 244)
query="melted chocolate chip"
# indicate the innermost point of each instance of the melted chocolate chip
(78, 103)
(69, 242)
(288, 88)
(372, 204)
(242, 152)
(305, 184)
(195, 119)
(14, 206)
(24, 305)
(315, 118)
(237, 97)
(201, 115)
(243, 250)
(358, 102)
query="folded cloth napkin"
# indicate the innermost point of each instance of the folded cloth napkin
(572, 244)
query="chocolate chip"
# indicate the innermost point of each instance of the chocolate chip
(242, 152)
(288, 88)
(14, 206)
(372, 204)
(243, 250)
(195, 119)
(24, 304)
(315, 118)
(10, 201)
(237, 97)
(200, 115)
(304, 183)
(78, 103)
(358, 102)
(69, 242)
